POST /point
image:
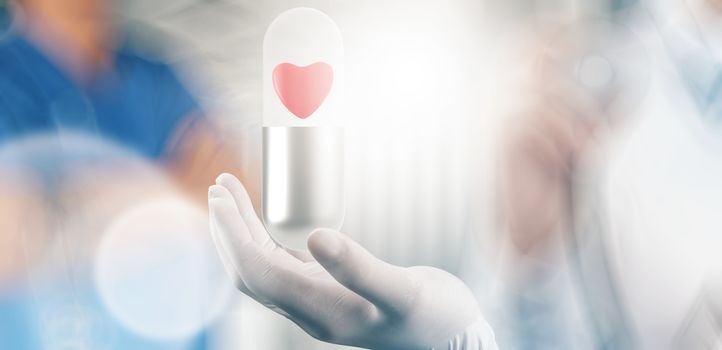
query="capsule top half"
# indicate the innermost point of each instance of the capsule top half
(302, 70)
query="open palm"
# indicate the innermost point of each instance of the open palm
(337, 291)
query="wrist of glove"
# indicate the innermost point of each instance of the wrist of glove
(337, 291)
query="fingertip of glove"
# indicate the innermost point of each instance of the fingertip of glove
(222, 178)
(219, 198)
(326, 244)
(216, 191)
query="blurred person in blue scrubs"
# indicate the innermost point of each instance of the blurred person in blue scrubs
(60, 72)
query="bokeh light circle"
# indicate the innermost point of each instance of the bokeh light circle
(595, 71)
(157, 271)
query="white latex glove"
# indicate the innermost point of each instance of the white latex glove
(339, 292)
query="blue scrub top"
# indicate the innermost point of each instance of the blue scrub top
(137, 106)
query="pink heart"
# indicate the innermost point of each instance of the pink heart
(302, 89)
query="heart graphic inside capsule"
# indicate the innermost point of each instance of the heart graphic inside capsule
(302, 89)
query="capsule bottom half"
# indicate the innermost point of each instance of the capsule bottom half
(303, 182)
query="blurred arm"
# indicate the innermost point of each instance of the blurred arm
(198, 152)
(21, 222)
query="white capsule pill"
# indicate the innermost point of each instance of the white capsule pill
(303, 128)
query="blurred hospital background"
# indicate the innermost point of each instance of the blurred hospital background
(562, 157)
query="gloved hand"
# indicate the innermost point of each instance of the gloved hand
(337, 291)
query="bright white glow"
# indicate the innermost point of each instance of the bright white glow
(157, 271)
(414, 88)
